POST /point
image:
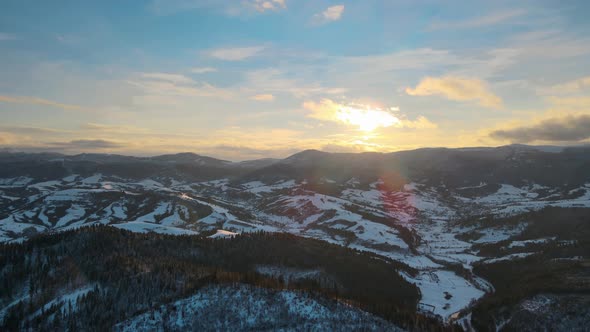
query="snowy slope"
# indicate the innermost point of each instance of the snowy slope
(414, 224)
(246, 308)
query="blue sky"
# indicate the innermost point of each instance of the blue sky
(267, 78)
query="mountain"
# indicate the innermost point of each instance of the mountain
(452, 222)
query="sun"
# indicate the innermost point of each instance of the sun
(365, 117)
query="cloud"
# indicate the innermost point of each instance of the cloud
(236, 53)
(203, 70)
(156, 85)
(86, 144)
(571, 87)
(571, 128)
(6, 138)
(7, 36)
(365, 117)
(482, 21)
(265, 5)
(457, 88)
(275, 80)
(118, 129)
(42, 102)
(420, 123)
(29, 130)
(571, 103)
(227, 7)
(331, 14)
(174, 78)
(263, 97)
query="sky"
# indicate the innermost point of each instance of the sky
(248, 79)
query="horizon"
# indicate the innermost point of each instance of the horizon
(543, 148)
(268, 78)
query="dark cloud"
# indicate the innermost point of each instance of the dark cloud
(86, 144)
(566, 129)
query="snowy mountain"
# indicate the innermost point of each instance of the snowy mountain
(440, 213)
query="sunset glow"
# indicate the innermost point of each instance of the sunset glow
(255, 79)
(366, 119)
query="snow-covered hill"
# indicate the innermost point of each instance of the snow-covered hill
(427, 209)
(248, 308)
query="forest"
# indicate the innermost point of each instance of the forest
(129, 273)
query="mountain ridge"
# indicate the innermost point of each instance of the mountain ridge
(187, 155)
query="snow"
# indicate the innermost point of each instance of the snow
(510, 200)
(253, 184)
(258, 187)
(481, 185)
(94, 179)
(71, 178)
(20, 181)
(24, 294)
(71, 297)
(221, 184)
(10, 198)
(43, 217)
(45, 186)
(70, 194)
(175, 219)
(428, 213)
(223, 234)
(497, 234)
(142, 227)
(243, 307)
(288, 274)
(327, 180)
(10, 224)
(161, 209)
(538, 303)
(524, 243)
(509, 257)
(433, 286)
(151, 184)
(75, 212)
(118, 211)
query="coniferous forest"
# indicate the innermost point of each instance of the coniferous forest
(125, 274)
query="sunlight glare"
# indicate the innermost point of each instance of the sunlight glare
(365, 117)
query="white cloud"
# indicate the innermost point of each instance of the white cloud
(572, 87)
(482, 21)
(203, 70)
(275, 80)
(227, 7)
(331, 14)
(42, 102)
(155, 85)
(265, 5)
(263, 97)
(174, 78)
(457, 88)
(236, 53)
